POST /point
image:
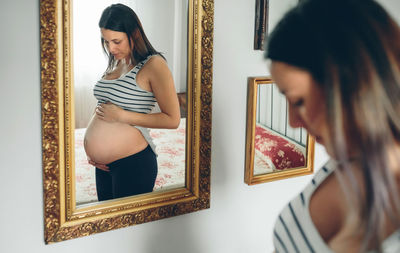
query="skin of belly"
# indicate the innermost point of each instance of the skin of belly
(106, 142)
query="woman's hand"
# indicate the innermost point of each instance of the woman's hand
(98, 165)
(109, 112)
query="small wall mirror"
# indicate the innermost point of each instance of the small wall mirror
(274, 150)
(70, 45)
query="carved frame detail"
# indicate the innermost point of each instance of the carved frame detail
(62, 221)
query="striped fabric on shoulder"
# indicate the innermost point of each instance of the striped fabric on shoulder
(125, 92)
(294, 230)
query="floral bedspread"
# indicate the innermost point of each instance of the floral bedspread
(170, 147)
(274, 152)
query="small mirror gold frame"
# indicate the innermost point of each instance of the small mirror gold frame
(250, 177)
(63, 220)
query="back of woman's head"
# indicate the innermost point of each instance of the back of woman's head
(351, 48)
(121, 18)
(317, 34)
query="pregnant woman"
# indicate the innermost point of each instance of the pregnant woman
(117, 140)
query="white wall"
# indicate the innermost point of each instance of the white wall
(240, 218)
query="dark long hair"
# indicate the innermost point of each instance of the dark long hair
(121, 18)
(352, 50)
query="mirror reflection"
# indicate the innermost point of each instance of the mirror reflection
(130, 106)
(277, 146)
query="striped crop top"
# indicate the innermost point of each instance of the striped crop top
(127, 94)
(295, 231)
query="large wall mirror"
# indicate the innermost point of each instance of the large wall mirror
(72, 60)
(274, 150)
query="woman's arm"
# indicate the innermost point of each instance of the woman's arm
(157, 74)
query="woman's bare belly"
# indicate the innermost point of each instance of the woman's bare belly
(106, 142)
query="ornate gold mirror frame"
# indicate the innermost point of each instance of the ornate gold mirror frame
(62, 219)
(250, 177)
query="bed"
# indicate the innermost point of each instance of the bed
(170, 147)
(274, 152)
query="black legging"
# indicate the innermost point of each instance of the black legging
(132, 175)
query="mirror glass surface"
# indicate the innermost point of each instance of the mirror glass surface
(277, 146)
(274, 150)
(165, 24)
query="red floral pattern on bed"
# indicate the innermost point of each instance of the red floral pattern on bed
(274, 152)
(170, 148)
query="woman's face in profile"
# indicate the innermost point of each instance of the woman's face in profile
(305, 99)
(117, 44)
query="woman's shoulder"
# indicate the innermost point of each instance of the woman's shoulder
(328, 207)
(155, 65)
(156, 61)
